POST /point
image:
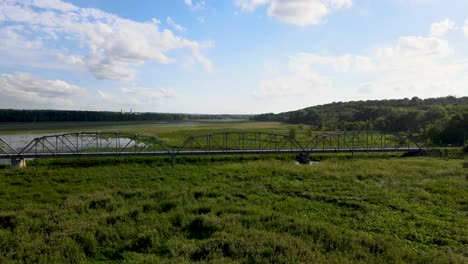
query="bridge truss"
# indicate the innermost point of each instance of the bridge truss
(91, 144)
(360, 141)
(94, 144)
(7, 150)
(238, 143)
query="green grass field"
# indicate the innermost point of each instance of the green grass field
(143, 210)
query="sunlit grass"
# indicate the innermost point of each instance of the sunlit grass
(145, 210)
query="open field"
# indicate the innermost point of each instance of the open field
(146, 211)
(150, 128)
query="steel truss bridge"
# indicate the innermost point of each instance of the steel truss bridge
(111, 144)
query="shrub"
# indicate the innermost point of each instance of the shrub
(292, 132)
(201, 228)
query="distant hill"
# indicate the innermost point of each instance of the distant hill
(439, 120)
(13, 115)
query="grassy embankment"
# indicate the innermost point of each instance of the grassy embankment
(144, 210)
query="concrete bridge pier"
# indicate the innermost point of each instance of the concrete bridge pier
(303, 158)
(18, 163)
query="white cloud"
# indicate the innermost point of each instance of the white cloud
(108, 46)
(195, 5)
(176, 26)
(417, 46)
(137, 98)
(366, 88)
(300, 80)
(340, 3)
(422, 66)
(303, 77)
(413, 66)
(250, 5)
(345, 63)
(28, 91)
(300, 13)
(465, 28)
(439, 29)
(14, 41)
(297, 12)
(146, 94)
(111, 101)
(53, 4)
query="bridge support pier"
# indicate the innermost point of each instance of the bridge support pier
(303, 158)
(18, 163)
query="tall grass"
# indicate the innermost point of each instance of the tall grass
(252, 211)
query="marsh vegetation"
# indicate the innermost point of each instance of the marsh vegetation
(144, 210)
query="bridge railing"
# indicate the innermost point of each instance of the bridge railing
(97, 143)
(227, 142)
(360, 141)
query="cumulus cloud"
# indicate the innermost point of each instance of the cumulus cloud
(297, 12)
(28, 91)
(15, 39)
(418, 46)
(108, 46)
(176, 26)
(418, 66)
(413, 65)
(304, 78)
(439, 29)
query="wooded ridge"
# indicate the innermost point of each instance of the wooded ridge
(441, 120)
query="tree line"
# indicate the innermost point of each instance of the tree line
(12, 115)
(437, 120)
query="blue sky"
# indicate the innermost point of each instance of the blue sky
(231, 56)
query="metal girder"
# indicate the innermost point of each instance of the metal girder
(92, 144)
(6, 149)
(360, 141)
(239, 142)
